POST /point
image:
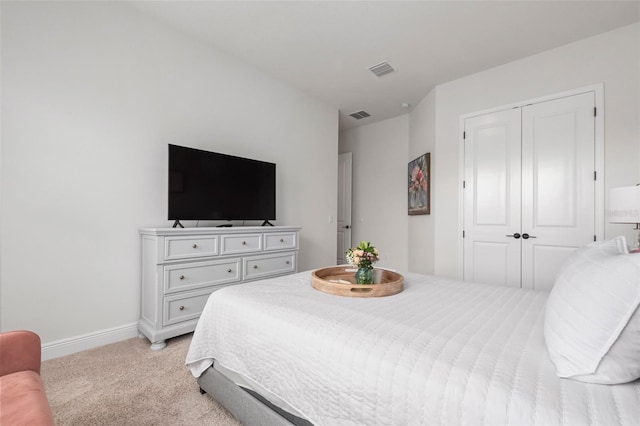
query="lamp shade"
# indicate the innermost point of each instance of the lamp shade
(624, 204)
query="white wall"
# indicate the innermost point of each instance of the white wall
(612, 58)
(422, 138)
(379, 187)
(92, 93)
(433, 243)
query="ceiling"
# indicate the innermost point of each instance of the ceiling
(326, 47)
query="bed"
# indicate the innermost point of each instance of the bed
(442, 351)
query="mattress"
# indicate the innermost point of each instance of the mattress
(440, 352)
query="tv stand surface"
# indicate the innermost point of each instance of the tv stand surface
(181, 267)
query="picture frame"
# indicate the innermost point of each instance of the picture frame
(419, 185)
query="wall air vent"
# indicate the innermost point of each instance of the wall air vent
(359, 115)
(381, 69)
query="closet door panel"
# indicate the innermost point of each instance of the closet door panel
(545, 263)
(491, 175)
(492, 262)
(492, 198)
(553, 172)
(558, 188)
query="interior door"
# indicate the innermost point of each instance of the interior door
(558, 186)
(492, 170)
(343, 219)
(529, 196)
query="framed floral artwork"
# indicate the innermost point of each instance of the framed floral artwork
(419, 193)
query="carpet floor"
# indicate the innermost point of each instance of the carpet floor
(126, 383)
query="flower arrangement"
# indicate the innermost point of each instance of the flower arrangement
(363, 255)
(418, 180)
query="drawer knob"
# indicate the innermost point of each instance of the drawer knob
(182, 277)
(281, 240)
(244, 243)
(195, 246)
(229, 270)
(181, 308)
(287, 262)
(255, 266)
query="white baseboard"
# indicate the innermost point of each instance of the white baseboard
(88, 341)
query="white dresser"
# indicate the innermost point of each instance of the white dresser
(182, 267)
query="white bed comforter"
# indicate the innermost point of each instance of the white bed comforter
(441, 352)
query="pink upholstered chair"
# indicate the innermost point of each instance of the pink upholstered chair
(22, 397)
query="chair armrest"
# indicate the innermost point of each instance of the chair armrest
(19, 351)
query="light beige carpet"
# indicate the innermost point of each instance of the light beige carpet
(126, 383)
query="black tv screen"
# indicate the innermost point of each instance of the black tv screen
(206, 185)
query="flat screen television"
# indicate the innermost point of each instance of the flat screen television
(206, 185)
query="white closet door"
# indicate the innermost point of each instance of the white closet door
(492, 198)
(558, 187)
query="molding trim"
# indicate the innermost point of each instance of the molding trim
(88, 341)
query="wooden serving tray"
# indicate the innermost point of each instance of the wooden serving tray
(341, 280)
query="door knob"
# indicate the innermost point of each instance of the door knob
(346, 227)
(527, 236)
(516, 235)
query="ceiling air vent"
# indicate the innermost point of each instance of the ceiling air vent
(381, 69)
(360, 115)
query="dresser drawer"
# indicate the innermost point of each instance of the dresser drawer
(188, 247)
(190, 276)
(280, 241)
(240, 243)
(185, 306)
(269, 265)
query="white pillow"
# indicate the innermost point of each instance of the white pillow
(592, 320)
